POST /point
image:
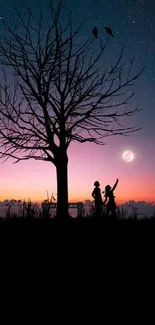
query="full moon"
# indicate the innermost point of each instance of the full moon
(128, 156)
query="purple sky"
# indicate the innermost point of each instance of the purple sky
(133, 23)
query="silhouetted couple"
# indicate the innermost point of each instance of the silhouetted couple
(109, 195)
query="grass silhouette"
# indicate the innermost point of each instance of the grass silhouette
(28, 213)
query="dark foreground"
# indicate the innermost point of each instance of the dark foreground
(85, 236)
(87, 221)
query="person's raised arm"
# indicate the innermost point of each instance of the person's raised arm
(115, 185)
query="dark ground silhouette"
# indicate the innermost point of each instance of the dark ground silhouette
(88, 220)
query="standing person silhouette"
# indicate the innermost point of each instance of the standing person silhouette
(98, 199)
(111, 205)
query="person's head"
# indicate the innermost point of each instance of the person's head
(96, 184)
(107, 189)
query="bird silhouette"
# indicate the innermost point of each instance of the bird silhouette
(95, 32)
(109, 31)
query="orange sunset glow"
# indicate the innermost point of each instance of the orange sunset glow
(87, 163)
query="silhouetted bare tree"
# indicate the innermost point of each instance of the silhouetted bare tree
(52, 92)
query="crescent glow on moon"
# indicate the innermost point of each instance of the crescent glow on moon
(128, 156)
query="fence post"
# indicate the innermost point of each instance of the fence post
(79, 209)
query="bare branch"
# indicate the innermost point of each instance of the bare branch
(52, 87)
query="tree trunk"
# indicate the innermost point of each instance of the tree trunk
(62, 187)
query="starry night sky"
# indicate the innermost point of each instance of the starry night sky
(133, 24)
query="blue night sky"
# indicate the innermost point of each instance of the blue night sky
(133, 24)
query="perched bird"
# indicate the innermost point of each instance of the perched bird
(95, 32)
(109, 31)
